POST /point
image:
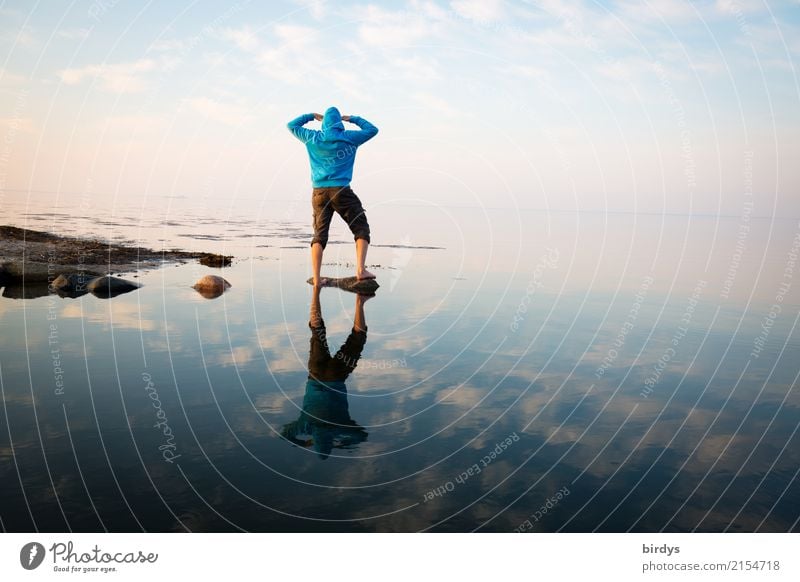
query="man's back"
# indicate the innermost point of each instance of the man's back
(332, 151)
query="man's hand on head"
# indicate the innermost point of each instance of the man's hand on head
(345, 118)
(317, 116)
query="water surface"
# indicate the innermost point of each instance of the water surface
(521, 371)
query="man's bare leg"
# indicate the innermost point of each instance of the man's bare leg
(359, 322)
(316, 264)
(315, 315)
(361, 257)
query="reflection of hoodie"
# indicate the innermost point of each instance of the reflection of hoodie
(332, 151)
(325, 422)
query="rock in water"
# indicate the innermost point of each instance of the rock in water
(30, 271)
(218, 261)
(352, 284)
(16, 290)
(211, 286)
(108, 286)
(72, 284)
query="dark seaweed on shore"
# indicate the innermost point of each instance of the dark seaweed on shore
(44, 247)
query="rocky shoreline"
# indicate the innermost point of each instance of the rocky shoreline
(31, 260)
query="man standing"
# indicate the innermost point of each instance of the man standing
(332, 153)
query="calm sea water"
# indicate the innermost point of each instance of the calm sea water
(521, 371)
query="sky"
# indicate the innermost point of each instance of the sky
(658, 106)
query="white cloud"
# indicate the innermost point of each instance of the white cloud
(275, 63)
(295, 36)
(73, 33)
(628, 69)
(739, 6)
(238, 356)
(285, 58)
(527, 71)
(434, 103)
(227, 113)
(244, 38)
(316, 8)
(129, 125)
(8, 78)
(479, 10)
(167, 45)
(394, 29)
(128, 77)
(769, 39)
(117, 78)
(23, 36)
(219, 60)
(416, 69)
(667, 10)
(16, 125)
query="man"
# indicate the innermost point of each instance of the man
(332, 152)
(324, 423)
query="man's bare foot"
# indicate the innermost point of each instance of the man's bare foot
(363, 275)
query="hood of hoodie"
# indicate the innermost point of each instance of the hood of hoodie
(332, 121)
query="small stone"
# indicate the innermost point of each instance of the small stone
(107, 287)
(72, 284)
(218, 261)
(211, 286)
(352, 284)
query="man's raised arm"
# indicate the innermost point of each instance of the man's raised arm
(296, 127)
(368, 131)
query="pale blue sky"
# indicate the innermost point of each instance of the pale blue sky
(628, 106)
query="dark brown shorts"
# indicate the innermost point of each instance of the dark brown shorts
(343, 201)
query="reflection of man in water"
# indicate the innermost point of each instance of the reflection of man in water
(325, 422)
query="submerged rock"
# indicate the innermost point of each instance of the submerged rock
(108, 286)
(30, 271)
(211, 286)
(213, 260)
(72, 284)
(352, 284)
(16, 290)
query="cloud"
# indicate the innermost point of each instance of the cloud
(166, 45)
(23, 36)
(129, 125)
(238, 356)
(73, 33)
(295, 36)
(415, 69)
(479, 10)
(285, 57)
(116, 78)
(737, 7)
(8, 78)
(434, 103)
(227, 113)
(316, 8)
(286, 37)
(244, 38)
(527, 71)
(275, 63)
(120, 315)
(16, 125)
(394, 29)
(656, 10)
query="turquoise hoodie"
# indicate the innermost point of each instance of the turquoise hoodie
(332, 151)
